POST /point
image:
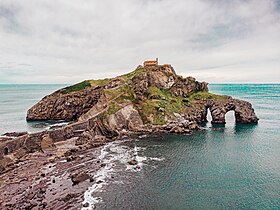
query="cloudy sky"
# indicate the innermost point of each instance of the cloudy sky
(62, 41)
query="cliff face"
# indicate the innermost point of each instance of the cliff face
(156, 93)
(65, 106)
(141, 88)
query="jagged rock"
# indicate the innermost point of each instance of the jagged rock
(84, 138)
(47, 142)
(244, 113)
(126, 118)
(79, 177)
(65, 106)
(15, 134)
(133, 162)
(86, 205)
(184, 86)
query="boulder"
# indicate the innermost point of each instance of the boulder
(126, 118)
(133, 162)
(79, 177)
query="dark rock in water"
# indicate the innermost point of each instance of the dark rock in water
(86, 205)
(79, 177)
(133, 162)
(99, 182)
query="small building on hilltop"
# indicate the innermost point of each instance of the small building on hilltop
(154, 63)
(151, 63)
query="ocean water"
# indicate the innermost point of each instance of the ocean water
(15, 100)
(220, 167)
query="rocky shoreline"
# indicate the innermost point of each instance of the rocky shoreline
(51, 169)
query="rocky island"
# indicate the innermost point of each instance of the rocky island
(150, 99)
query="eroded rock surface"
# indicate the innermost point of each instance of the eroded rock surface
(65, 106)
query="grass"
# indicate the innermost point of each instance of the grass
(129, 76)
(100, 82)
(162, 103)
(77, 87)
(113, 108)
(200, 95)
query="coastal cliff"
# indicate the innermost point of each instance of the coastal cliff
(156, 94)
(150, 99)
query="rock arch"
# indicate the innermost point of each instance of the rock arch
(243, 111)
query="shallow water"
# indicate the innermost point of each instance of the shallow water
(15, 100)
(221, 167)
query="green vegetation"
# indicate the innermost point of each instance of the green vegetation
(99, 82)
(113, 108)
(85, 84)
(128, 77)
(113, 93)
(198, 95)
(91, 83)
(77, 87)
(162, 103)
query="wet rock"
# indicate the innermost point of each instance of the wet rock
(99, 182)
(79, 177)
(133, 162)
(86, 205)
(15, 134)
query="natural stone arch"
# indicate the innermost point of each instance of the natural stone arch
(204, 114)
(243, 111)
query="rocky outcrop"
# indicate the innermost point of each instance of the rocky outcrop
(164, 77)
(65, 106)
(184, 86)
(244, 112)
(150, 99)
(126, 118)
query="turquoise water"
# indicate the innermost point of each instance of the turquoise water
(221, 167)
(230, 167)
(15, 100)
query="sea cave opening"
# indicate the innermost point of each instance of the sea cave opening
(230, 117)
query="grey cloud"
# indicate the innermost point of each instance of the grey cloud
(68, 41)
